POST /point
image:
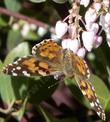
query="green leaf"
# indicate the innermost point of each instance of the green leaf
(19, 114)
(31, 36)
(19, 51)
(13, 88)
(41, 89)
(1, 65)
(13, 5)
(2, 119)
(13, 39)
(34, 89)
(49, 118)
(107, 109)
(3, 22)
(108, 71)
(37, 1)
(101, 89)
(60, 1)
(71, 83)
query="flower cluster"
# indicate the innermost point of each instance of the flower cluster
(84, 38)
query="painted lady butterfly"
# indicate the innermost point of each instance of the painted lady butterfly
(50, 59)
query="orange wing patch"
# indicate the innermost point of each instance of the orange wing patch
(27, 66)
(47, 48)
(89, 92)
(81, 66)
(30, 64)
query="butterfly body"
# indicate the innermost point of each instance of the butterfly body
(48, 58)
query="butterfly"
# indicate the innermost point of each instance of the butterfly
(48, 58)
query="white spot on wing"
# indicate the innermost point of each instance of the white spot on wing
(13, 69)
(15, 62)
(10, 65)
(92, 104)
(97, 101)
(84, 93)
(19, 59)
(96, 104)
(93, 89)
(25, 73)
(14, 74)
(18, 67)
(33, 52)
(98, 112)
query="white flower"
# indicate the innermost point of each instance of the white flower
(61, 28)
(25, 30)
(41, 31)
(85, 2)
(97, 6)
(102, 22)
(106, 3)
(98, 41)
(108, 39)
(88, 39)
(33, 27)
(71, 44)
(90, 15)
(105, 22)
(107, 18)
(81, 52)
(92, 27)
(15, 26)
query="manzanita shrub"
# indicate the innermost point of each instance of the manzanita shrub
(82, 26)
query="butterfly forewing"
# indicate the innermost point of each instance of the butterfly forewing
(48, 50)
(28, 66)
(51, 52)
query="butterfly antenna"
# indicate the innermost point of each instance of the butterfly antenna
(53, 84)
(59, 82)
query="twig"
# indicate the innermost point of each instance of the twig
(23, 17)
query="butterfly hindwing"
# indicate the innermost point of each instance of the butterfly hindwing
(89, 92)
(80, 66)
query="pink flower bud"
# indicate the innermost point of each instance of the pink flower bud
(95, 27)
(15, 26)
(97, 6)
(25, 30)
(88, 39)
(85, 2)
(71, 44)
(104, 22)
(107, 18)
(61, 28)
(108, 39)
(90, 15)
(41, 31)
(92, 27)
(106, 3)
(98, 41)
(81, 52)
